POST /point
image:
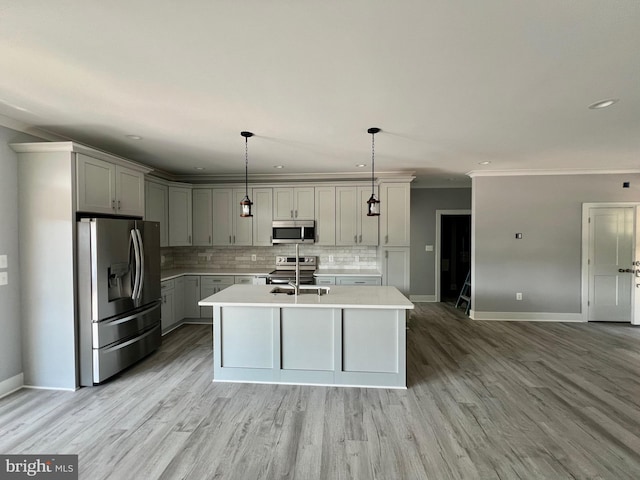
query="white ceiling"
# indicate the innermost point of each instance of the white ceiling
(451, 83)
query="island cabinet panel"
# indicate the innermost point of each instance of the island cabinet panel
(370, 341)
(307, 338)
(247, 338)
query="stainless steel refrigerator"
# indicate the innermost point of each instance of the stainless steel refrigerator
(119, 295)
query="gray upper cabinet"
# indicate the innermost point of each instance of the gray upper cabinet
(394, 215)
(353, 226)
(325, 215)
(262, 216)
(156, 208)
(106, 188)
(202, 217)
(229, 227)
(293, 203)
(180, 211)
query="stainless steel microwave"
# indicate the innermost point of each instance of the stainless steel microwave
(293, 231)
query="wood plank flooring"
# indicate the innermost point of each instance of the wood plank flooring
(486, 400)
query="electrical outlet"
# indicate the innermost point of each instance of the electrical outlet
(254, 257)
(519, 296)
(330, 258)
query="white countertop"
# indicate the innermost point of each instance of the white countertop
(338, 297)
(177, 272)
(347, 272)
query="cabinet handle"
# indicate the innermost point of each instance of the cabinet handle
(234, 239)
(296, 213)
(291, 213)
(113, 204)
(229, 239)
(360, 238)
(189, 239)
(386, 239)
(270, 238)
(209, 238)
(119, 207)
(355, 239)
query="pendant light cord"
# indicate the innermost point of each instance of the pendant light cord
(246, 167)
(373, 149)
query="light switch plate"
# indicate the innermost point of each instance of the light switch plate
(4, 278)
(428, 248)
(3, 261)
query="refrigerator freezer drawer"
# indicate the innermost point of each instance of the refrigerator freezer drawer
(110, 360)
(115, 329)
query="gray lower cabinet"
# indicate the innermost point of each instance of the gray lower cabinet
(167, 313)
(359, 281)
(191, 296)
(323, 280)
(213, 284)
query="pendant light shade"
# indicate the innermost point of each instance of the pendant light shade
(245, 204)
(373, 204)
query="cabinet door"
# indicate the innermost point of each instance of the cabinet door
(262, 216)
(346, 216)
(367, 226)
(303, 203)
(222, 221)
(167, 318)
(180, 217)
(129, 192)
(362, 281)
(395, 214)
(325, 215)
(243, 280)
(396, 268)
(192, 296)
(242, 226)
(178, 299)
(156, 206)
(283, 203)
(95, 185)
(202, 217)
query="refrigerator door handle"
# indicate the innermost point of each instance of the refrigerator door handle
(136, 253)
(141, 246)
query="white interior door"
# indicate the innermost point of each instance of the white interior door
(635, 307)
(611, 257)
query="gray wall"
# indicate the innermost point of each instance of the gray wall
(545, 265)
(424, 203)
(10, 340)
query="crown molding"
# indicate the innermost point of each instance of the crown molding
(524, 173)
(288, 177)
(19, 126)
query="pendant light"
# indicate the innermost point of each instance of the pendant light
(373, 204)
(245, 204)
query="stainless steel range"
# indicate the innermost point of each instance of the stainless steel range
(285, 271)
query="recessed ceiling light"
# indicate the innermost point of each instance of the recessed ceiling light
(134, 137)
(603, 103)
(484, 163)
(198, 168)
(278, 166)
(361, 165)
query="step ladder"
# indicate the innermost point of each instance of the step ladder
(465, 294)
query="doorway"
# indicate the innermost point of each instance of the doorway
(611, 278)
(453, 253)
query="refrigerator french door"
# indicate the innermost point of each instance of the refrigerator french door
(119, 295)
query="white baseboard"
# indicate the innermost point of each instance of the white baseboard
(60, 389)
(422, 298)
(12, 384)
(198, 322)
(526, 316)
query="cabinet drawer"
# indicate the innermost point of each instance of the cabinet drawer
(167, 285)
(243, 279)
(325, 280)
(358, 281)
(208, 281)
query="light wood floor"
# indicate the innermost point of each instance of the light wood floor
(486, 400)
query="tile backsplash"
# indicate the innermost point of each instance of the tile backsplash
(240, 257)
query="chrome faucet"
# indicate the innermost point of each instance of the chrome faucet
(296, 286)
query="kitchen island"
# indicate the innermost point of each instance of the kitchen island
(350, 336)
